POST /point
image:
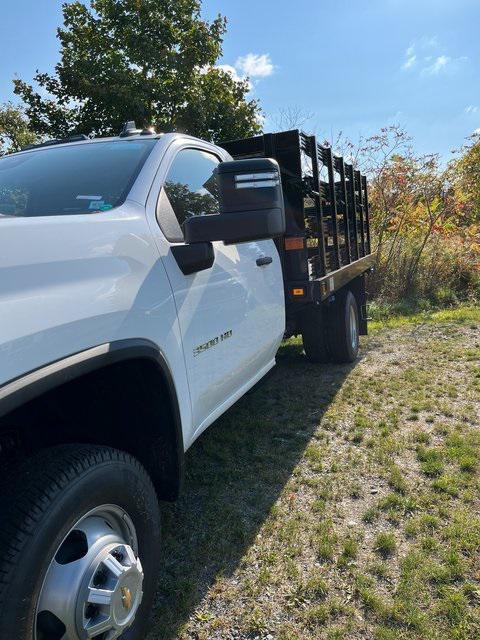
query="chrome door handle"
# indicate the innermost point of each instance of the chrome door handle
(261, 262)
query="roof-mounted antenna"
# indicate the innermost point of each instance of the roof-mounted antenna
(129, 129)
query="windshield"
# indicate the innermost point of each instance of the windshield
(83, 178)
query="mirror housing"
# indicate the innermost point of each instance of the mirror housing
(251, 204)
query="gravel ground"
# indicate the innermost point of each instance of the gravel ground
(336, 501)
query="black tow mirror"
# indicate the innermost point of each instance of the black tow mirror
(251, 204)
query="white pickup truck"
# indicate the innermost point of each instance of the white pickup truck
(146, 283)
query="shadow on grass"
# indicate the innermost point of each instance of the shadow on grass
(235, 473)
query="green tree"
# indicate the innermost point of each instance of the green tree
(464, 176)
(14, 129)
(152, 61)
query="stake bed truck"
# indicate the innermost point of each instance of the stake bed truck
(146, 283)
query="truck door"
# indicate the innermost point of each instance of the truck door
(231, 315)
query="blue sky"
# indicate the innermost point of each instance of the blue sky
(356, 65)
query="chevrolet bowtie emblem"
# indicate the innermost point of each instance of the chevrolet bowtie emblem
(126, 598)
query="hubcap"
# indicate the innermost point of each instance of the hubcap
(93, 586)
(353, 328)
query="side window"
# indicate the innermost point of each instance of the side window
(13, 200)
(190, 187)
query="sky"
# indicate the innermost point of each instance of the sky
(352, 65)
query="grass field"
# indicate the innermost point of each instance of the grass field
(337, 501)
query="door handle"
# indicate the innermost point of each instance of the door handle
(261, 262)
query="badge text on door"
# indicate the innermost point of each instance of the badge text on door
(211, 343)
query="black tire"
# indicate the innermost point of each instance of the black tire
(343, 343)
(41, 503)
(314, 334)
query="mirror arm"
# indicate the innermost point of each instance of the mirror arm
(194, 257)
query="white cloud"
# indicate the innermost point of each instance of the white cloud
(255, 65)
(410, 61)
(425, 55)
(414, 52)
(471, 109)
(247, 68)
(439, 64)
(442, 64)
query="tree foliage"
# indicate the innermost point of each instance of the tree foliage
(152, 61)
(425, 218)
(15, 132)
(464, 176)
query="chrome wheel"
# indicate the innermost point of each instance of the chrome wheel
(353, 328)
(93, 586)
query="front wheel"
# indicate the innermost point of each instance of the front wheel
(79, 546)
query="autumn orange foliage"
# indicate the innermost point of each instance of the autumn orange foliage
(425, 219)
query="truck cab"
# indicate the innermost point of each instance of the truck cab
(94, 257)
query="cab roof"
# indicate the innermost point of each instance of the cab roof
(129, 130)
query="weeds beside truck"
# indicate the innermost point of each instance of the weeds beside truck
(147, 281)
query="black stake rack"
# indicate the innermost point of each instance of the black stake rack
(327, 241)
